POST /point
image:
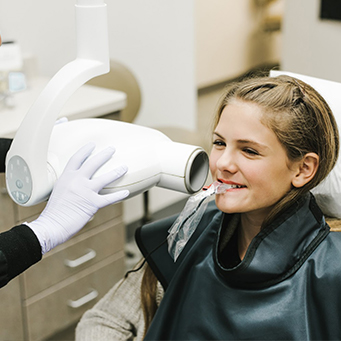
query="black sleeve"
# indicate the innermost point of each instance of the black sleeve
(4, 147)
(19, 249)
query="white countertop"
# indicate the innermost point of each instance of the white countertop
(87, 101)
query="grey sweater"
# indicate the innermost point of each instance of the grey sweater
(118, 315)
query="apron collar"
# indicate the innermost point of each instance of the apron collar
(278, 250)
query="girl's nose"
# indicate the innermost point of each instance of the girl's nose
(227, 162)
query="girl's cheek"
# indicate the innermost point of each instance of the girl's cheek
(212, 164)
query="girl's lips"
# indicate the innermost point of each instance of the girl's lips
(228, 182)
(222, 186)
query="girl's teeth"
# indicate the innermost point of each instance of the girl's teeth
(220, 187)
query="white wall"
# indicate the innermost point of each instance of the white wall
(155, 38)
(310, 46)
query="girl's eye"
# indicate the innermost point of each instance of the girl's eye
(250, 151)
(219, 143)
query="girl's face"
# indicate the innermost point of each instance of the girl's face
(247, 154)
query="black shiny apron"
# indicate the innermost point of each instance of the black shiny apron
(288, 286)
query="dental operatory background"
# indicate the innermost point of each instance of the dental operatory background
(171, 59)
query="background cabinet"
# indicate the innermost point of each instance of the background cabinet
(53, 294)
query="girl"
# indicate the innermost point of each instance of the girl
(262, 263)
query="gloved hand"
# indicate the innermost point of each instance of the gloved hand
(75, 199)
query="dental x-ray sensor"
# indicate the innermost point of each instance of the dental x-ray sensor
(41, 149)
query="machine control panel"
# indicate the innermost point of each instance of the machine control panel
(19, 180)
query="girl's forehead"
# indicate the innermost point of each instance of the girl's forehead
(239, 112)
(244, 121)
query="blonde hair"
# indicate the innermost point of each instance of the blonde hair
(300, 118)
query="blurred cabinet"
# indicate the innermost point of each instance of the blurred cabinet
(221, 54)
(54, 293)
(11, 323)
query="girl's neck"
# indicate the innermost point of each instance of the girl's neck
(247, 230)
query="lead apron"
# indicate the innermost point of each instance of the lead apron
(278, 291)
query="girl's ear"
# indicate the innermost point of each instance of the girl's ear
(307, 168)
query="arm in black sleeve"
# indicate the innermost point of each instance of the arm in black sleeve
(19, 249)
(4, 147)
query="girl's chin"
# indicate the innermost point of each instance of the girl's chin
(225, 205)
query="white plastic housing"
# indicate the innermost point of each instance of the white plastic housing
(152, 158)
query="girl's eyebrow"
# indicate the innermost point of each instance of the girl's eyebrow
(215, 133)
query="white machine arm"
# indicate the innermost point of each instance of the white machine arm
(27, 176)
(41, 149)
